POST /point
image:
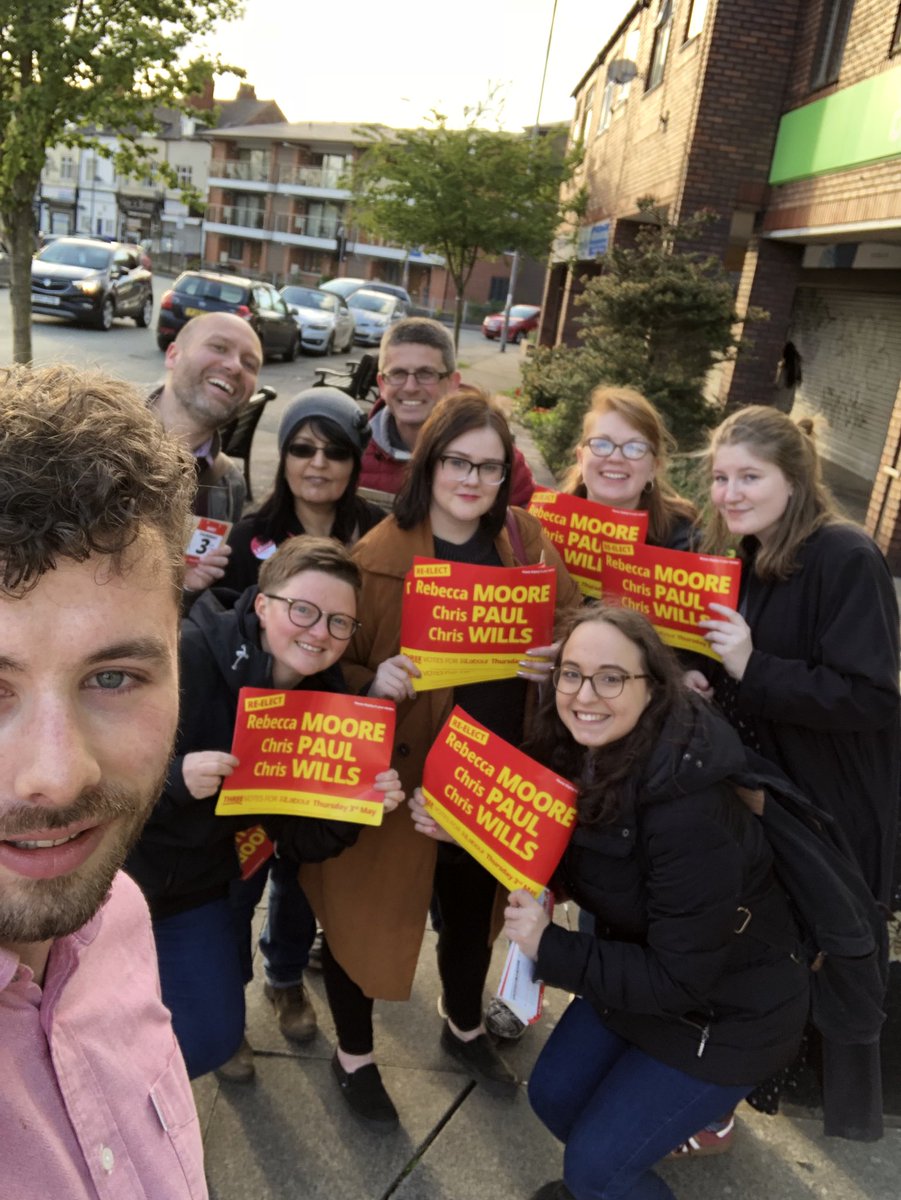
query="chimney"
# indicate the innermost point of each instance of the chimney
(246, 91)
(203, 99)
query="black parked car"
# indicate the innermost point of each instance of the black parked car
(198, 292)
(92, 282)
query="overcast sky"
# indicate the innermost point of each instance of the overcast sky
(396, 60)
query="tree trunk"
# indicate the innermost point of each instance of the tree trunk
(458, 317)
(20, 231)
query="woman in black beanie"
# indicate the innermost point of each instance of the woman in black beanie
(321, 439)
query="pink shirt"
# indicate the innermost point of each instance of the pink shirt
(95, 1102)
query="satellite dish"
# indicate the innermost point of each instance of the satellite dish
(621, 70)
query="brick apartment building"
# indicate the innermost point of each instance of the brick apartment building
(277, 207)
(784, 117)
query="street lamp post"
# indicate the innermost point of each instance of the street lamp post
(514, 266)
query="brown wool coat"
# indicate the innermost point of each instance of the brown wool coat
(373, 899)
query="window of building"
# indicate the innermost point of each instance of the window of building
(662, 28)
(696, 13)
(236, 248)
(497, 292)
(185, 175)
(606, 106)
(896, 36)
(587, 113)
(66, 167)
(831, 48)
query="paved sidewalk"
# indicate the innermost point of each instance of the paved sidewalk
(289, 1135)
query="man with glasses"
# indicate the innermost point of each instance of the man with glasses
(286, 633)
(417, 368)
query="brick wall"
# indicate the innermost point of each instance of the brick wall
(884, 514)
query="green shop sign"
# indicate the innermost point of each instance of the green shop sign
(860, 124)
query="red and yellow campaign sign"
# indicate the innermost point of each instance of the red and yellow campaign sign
(585, 533)
(673, 589)
(510, 813)
(465, 624)
(309, 754)
(254, 849)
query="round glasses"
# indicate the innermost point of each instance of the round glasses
(602, 447)
(308, 450)
(424, 376)
(304, 614)
(491, 473)
(606, 684)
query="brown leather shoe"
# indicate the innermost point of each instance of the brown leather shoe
(295, 1012)
(239, 1068)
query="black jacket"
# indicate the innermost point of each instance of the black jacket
(186, 855)
(665, 882)
(819, 697)
(251, 543)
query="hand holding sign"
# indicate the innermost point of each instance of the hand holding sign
(525, 920)
(424, 822)
(394, 679)
(538, 663)
(204, 770)
(388, 783)
(207, 554)
(730, 637)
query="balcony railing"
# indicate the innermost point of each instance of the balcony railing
(306, 225)
(227, 168)
(318, 177)
(236, 214)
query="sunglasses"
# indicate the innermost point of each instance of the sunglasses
(308, 450)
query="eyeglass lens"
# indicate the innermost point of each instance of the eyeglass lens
(308, 450)
(606, 685)
(461, 468)
(424, 375)
(305, 615)
(603, 447)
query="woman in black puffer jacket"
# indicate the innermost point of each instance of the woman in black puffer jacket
(681, 1010)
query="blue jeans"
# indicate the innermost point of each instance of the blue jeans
(202, 984)
(290, 925)
(617, 1110)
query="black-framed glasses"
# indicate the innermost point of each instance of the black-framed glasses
(308, 450)
(606, 684)
(602, 447)
(424, 376)
(304, 614)
(491, 473)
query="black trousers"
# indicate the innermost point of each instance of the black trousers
(465, 895)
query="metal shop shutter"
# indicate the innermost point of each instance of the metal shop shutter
(850, 343)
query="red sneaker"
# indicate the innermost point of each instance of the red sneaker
(707, 1141)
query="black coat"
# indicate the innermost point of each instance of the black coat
(819, 697)
(252, 543)
(186, 855)
(665, 881)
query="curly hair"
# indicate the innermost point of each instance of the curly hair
(85, 468)
(608, 775)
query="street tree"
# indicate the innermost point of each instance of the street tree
(461, 193)
(72, 68)
(658, 318)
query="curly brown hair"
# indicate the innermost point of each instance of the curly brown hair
(85, 468)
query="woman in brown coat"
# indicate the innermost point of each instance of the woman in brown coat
(374, 900)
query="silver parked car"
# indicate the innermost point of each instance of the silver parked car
(374, 312)
(325, 322)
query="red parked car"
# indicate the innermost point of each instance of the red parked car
(523, 319)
